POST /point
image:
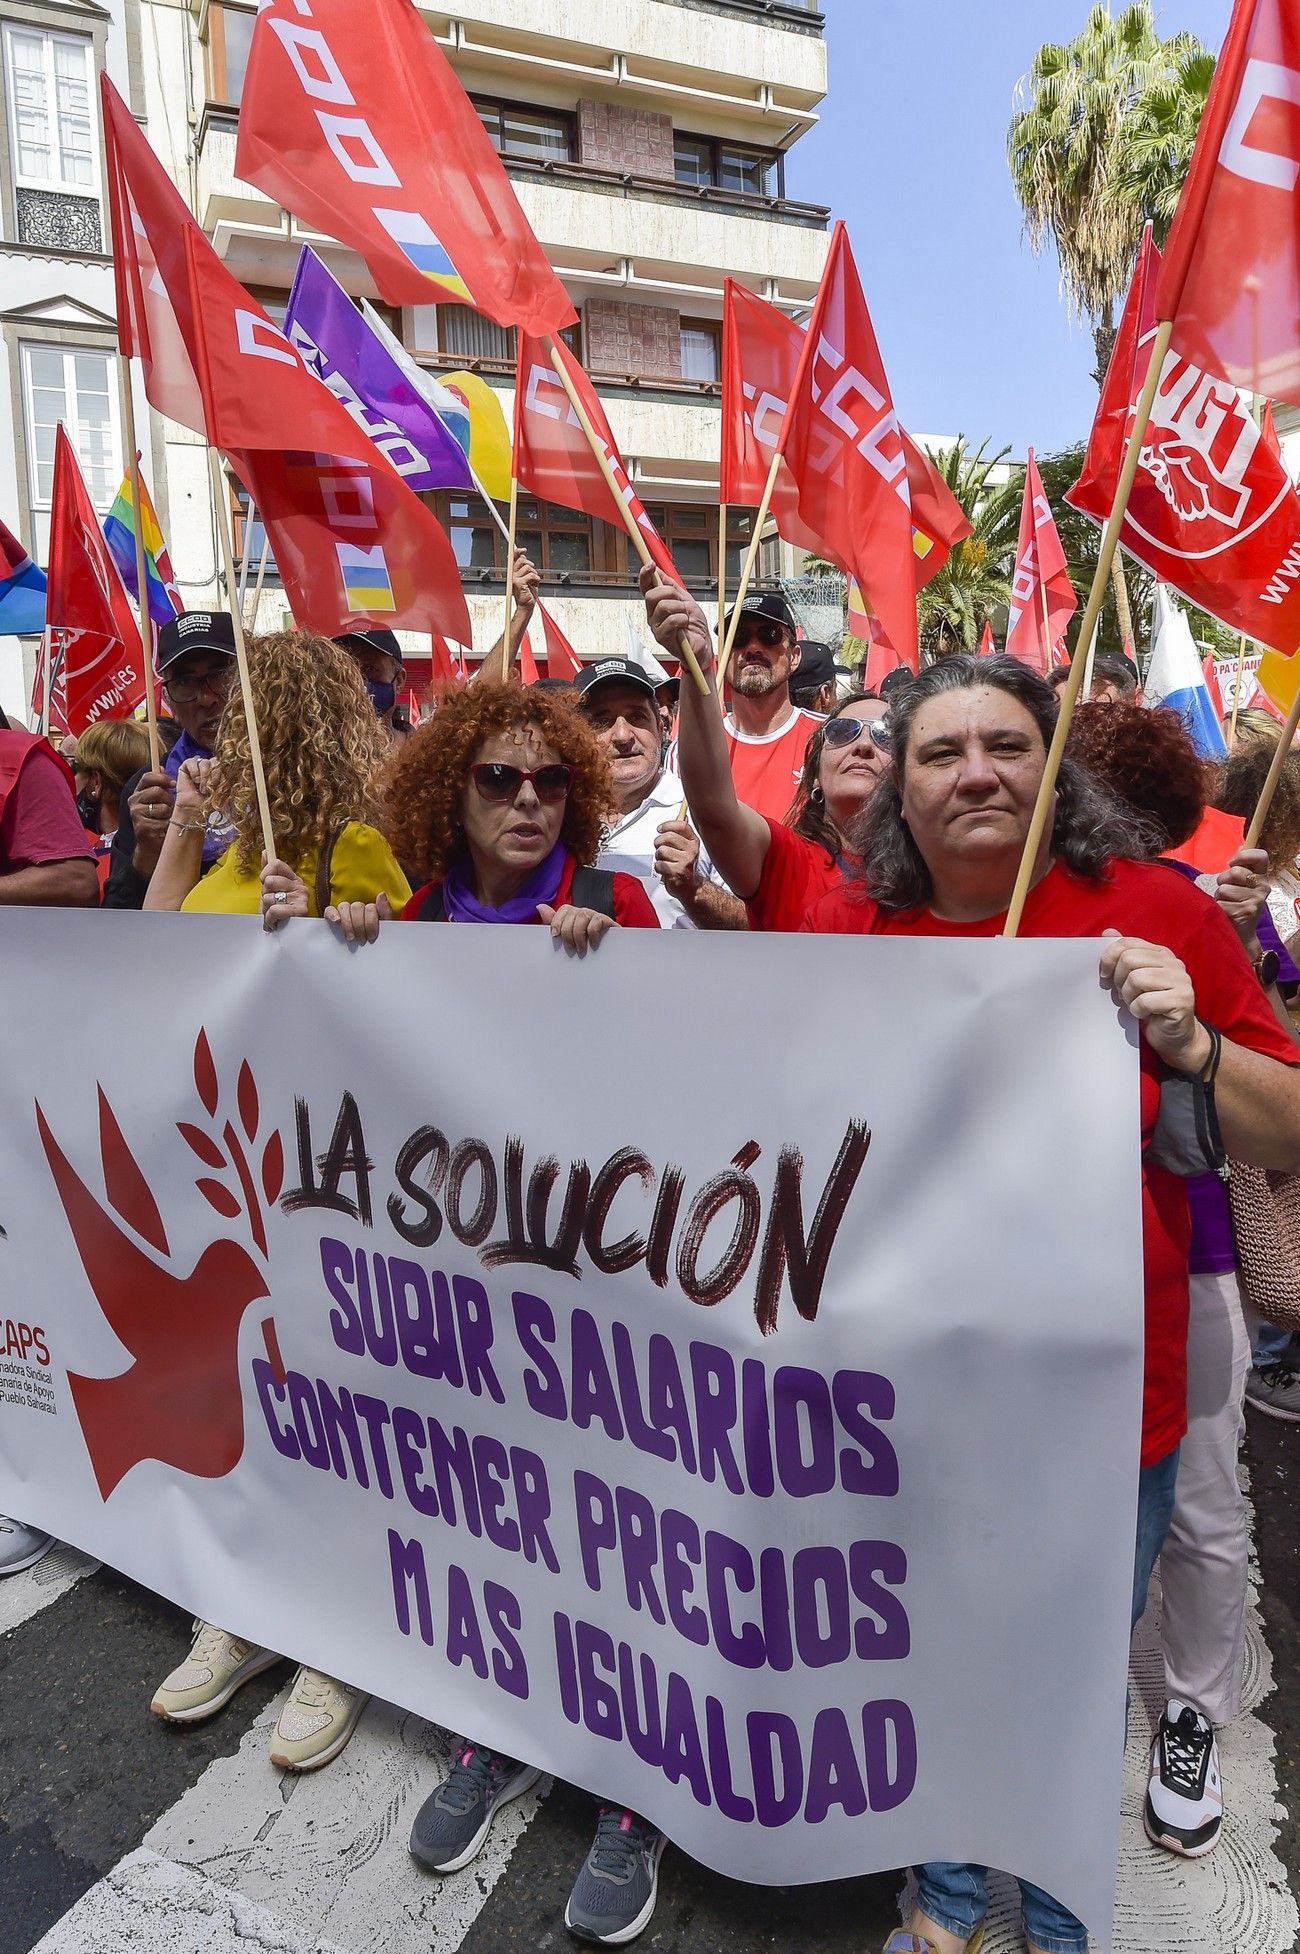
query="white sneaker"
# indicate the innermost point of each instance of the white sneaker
(316, 1722)
(1184, 1802)
(216, 1666)
(21, 1546)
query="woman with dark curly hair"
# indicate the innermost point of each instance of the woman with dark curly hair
(499, 802)
(323, 752)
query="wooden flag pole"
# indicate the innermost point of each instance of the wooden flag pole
(241, 652)
(141, 575)
(1260, 816)
(639, 543)
(261, 577)
(512, 530)
(47, 681)
(1082, 659)
(747, 568)
(1236, 692)
(1047, 622)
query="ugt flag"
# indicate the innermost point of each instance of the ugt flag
(845, 449)
(1231, 275)
(342, 350)
(353, 119)
(119, 533)
(553, 457)
(87, 608)
(1175, 677)
(22, 589)
(1042, 596)
(1212, 512)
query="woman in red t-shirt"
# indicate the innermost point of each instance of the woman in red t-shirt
(777, 869)
(498, 803)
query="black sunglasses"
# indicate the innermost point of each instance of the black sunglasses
(496, 781)
(768, 633)
(842, 731)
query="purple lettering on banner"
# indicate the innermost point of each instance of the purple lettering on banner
(593, 1393)
(726, 1557)
(535, 1328)
(725, 1796)
(639, 1539)
(680, 1543)
(683, 1751)
(889, 1738)
(799, 1396)
(887, 1637)
(819, 1582)
(834, 1777)
(271, 1392)
(776, 1762)
(410, 1577)
(855, 1392)
(666, 1398)
(464, 1636)
(474, 1324)
(595, 1654)
(645, 1436)
(757, 1424)
(713, 1379)
(774, 1591)
(593, 1503)
(505, 1618)
(642, 1719)
(566, 1669)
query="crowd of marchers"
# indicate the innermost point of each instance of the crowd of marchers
(780, 799)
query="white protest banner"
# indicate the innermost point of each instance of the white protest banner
(744, 1428)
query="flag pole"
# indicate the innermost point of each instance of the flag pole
(261, 576)
(512, 530)
(1265, 802)
(141, 575)
(747, 567)
(722, 568)
(639, 543)
(47, 681)
(1082, 660)
(244, 560)
(241, 651)
(1047, 621)
(1236, 692)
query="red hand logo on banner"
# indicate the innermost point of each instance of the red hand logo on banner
(180, 1400)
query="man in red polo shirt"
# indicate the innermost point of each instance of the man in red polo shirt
(767, 734)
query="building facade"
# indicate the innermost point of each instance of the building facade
(646, 140)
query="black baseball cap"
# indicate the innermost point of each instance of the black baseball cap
(1116, 665)
(766, 603)
(605, 670)
(817, 667)
(195, 631)
(376, 640)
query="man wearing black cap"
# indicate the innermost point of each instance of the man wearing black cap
(620, 699)
(196, 662)
(378, 657)
(815, 685)
(767, 734)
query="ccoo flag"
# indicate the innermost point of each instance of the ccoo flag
(1231, 275)
(1175, 677)
(87, 608)
(846, 453)
(1040, 583)
(119, 533)
(353, 119)
(1212, 512)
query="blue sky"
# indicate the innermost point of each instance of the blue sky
(910, 152)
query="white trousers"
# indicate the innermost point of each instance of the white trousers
(1204, 1561)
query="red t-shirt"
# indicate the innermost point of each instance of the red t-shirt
(796, 874)
(1147, 900)
(765, 767)
(40, 822)
(633, 909)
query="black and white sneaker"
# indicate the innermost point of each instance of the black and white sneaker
(614, 1895)
(452, 1825)
(1184, 1802)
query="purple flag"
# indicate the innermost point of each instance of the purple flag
(340, 347)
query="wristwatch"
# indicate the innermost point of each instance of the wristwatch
(1266, 966)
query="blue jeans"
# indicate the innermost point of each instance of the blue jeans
(955, 1895)
(1272, 1346)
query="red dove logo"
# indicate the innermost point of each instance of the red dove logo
(179, 1401)
(1190, 486)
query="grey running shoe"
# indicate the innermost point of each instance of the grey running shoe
(451, 1826)
(614, 1895)
(21, 1546)
(1275, 1391)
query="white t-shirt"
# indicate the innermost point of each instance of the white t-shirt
(630, 849)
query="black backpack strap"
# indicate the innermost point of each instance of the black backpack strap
(593, 888)
(433, 909)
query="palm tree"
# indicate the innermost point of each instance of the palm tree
(1068, 148)
(1160, 137)
(976, 580)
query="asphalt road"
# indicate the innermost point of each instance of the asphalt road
(119, 1835)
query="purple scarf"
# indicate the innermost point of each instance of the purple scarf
(216, 840)
(461, 905)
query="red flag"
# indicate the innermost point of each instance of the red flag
(86, 607)
(353, 119)
(1231, 276)
(528, 671)
(1210, 670)
(761, 350)
(1268, 430)
(553, 459)
(1212, 511)
(845, 449)
(987, 647)
(561, 658)
(1040, 564)
(882, 657)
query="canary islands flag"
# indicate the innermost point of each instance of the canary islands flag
(119, 534)
(22, 589)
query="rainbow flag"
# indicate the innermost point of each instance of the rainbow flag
(119, 533)
(366, 578)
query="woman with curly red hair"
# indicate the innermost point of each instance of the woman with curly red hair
(498, 803)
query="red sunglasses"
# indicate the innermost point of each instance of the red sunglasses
(496, 781)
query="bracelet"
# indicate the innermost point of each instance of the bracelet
(190, 827)
(1211, 1065)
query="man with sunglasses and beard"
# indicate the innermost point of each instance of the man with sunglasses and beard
(767, 734)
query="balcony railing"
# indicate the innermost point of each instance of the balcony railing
(777, 13)
(781, 210)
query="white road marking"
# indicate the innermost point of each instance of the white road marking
(147, 1904)
(24, 1595)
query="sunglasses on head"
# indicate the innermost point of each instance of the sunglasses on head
(768, 633)
(843, 730)
(496, 781)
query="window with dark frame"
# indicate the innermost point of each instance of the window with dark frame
(230, 36)
(534, 134)
(707, 163)
(701, 343)
(249, 535)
